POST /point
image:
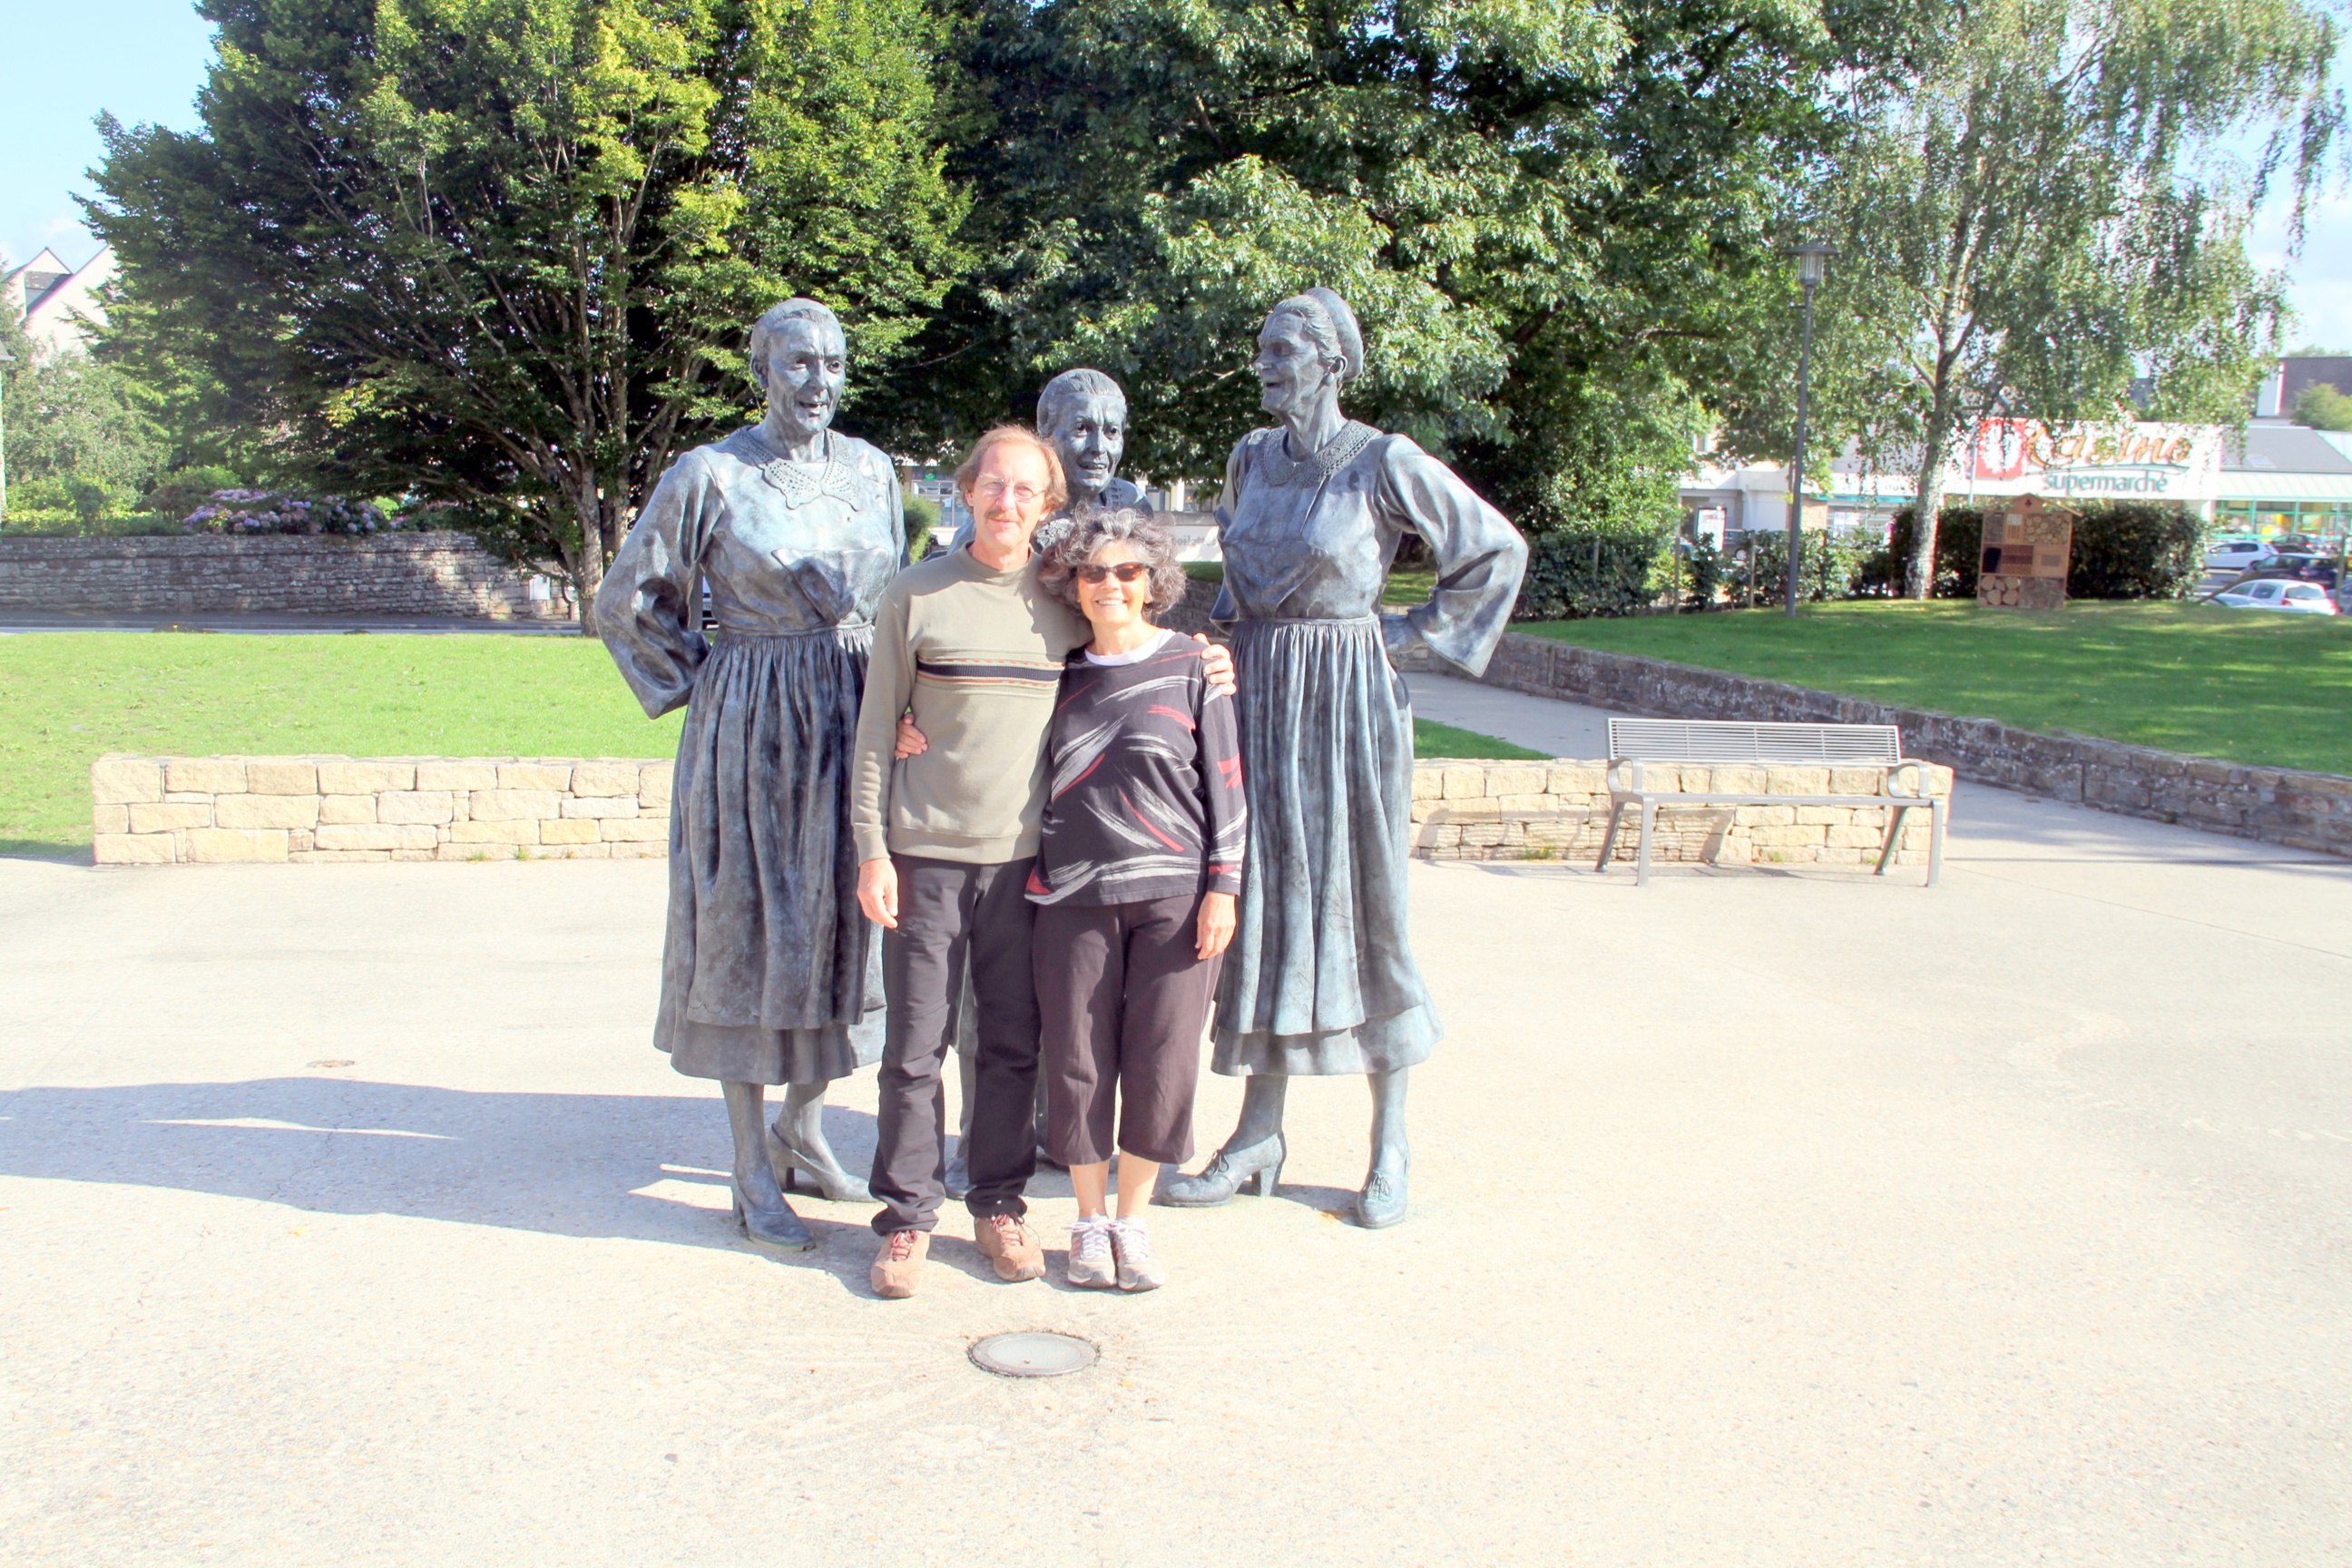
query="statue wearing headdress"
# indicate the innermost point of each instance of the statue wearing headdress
(1320, 977)
(770, 974)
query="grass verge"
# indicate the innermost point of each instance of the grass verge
(1432, 739)
(68, 697)
(2255, 686)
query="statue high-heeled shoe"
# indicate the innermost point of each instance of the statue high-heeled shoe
(832, 1183)
(1382, 1202)
(778, 1227)
(1226, 1173)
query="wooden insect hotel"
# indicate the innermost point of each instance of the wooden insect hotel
(2028, 544)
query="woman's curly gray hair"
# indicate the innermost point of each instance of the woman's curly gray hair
(1076, 542)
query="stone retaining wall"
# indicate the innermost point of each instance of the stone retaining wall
(165, 811)
(436, 573)
(169, 811)
(1192, 615)
(1558, 810)
(2279, 806)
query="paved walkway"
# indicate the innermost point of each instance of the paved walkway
(1761, 1216)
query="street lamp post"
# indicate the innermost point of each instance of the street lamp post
(1812, 265)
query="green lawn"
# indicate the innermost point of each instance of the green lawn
(2247, 685)
(1432, 739)
(68, 697)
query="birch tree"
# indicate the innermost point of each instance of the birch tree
(2059, 205)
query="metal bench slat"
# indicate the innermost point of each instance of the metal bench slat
(1721, 741)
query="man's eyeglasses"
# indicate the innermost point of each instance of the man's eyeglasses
(993, 490)
(1126, 572)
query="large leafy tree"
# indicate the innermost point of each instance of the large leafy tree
(2056, 205)
(75, 429)
(1557, 220)
(502, 253)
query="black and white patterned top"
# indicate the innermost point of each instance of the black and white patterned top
(1144, 781)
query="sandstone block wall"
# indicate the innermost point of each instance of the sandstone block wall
(388, 575)
(1560, 809)
(170, 811)
(173, 810)
(2280, 805)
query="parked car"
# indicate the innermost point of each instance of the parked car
(2236, 555)
(2278, 594)
(2310, 567)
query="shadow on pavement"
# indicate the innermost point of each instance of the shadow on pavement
(44, 849)
(632, 1167)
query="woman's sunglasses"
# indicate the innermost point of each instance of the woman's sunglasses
(1126, 572)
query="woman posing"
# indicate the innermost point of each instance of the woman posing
(1135, 882)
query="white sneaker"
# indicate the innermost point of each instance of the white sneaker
(1138, 1269)
(1091, 1264)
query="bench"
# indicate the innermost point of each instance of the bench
(1635, 742)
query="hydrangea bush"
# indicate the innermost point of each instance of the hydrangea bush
(279, 512)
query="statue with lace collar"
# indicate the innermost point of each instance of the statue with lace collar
(1320, 977)
(770, 974)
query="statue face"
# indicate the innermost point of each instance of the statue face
(1090, 434)
(1290, 367)
(807, 363)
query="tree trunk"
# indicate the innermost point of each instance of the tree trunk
(1919, 580)
(588, 563)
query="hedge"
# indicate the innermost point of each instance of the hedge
(2123, 550)
(1573, 573)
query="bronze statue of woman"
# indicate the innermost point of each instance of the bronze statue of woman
(769, 972)
(1320, 977)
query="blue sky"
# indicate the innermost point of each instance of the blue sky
(143, 60)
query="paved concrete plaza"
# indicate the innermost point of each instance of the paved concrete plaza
(1759, 1217)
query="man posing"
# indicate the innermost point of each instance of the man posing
(973, 645)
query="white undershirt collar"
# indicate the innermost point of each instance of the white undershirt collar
(1137, 656)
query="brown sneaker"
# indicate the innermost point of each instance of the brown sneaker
(1007, 1240)
(898, 1267)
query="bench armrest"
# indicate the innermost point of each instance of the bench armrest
(1609, 776)
(1918, 772)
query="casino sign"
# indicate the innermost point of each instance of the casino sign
(2120, 460)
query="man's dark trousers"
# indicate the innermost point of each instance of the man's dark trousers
(951, 915)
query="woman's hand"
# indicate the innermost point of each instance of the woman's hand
(1218, 659)
(912, 742)
(877, 893)
(1216, 925)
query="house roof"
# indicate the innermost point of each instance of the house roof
(53, 300)
(2283, 449)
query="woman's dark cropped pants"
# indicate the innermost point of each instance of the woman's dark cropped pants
(1122, 1003)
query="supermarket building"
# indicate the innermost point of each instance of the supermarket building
(2280, 478)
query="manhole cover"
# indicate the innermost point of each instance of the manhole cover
(1033, 1354)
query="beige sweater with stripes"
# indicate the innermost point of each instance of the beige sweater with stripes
(976, 655)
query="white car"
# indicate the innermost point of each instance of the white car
(2279, 594)
(2237, 555)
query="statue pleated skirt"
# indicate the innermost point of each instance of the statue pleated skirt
(769, 972)
(1320, 977)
